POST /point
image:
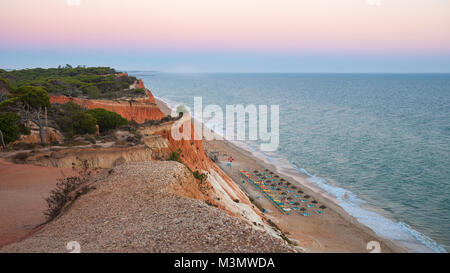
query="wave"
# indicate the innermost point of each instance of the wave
(398, 232)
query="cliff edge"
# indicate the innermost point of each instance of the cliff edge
(147, 207)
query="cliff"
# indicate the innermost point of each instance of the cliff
(217, 190)
(139, 110)
(220, 190)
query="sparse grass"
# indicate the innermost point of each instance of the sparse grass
(67, 190)
(282, 235)
(175, 156)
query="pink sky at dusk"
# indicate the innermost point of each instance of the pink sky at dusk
(394, 26)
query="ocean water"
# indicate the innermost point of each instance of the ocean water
(380, 140)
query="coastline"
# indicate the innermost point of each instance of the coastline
(335, 231)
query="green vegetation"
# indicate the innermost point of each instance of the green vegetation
(67, 190)
(9, 126)
(139, 91)
(107, 120)
(83, 123)
(90, 82)
(77, 120)
(24, 97)
(175, 156)
(200, 176)
(4, 84)
(33, 96)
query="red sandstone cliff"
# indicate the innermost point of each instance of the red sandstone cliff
(139, 109)
(222, 192)
(219, 190)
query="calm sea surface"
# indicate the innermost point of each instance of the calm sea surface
(382, 139)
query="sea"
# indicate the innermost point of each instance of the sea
(379, 144)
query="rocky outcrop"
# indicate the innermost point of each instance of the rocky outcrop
(140, 84)
(155, 148)
(54, 136)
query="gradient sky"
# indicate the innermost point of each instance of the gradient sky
(228, 35)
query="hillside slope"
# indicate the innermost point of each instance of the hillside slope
(147, 207)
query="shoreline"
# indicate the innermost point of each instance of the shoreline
(312, 233)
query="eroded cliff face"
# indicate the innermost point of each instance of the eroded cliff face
(35, 137)
(154, 148)
(219, 190)
(137, 109)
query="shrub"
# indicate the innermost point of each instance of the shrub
(93, 92)
(67, 189)
(9, 126)
(175, 156)
(139, 91)
(34, 96)
(200, 176)
(107, 120)
(4, 84)
(71, 108)
(84, 123)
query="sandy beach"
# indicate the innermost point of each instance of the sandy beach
(334, 230)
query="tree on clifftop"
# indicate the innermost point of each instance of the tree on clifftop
(35, 102)
(9, 130)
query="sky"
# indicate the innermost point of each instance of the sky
(335, 36)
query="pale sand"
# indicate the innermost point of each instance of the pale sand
(23, 189)
(333, 231)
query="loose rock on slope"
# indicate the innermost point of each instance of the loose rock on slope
(145, 207)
